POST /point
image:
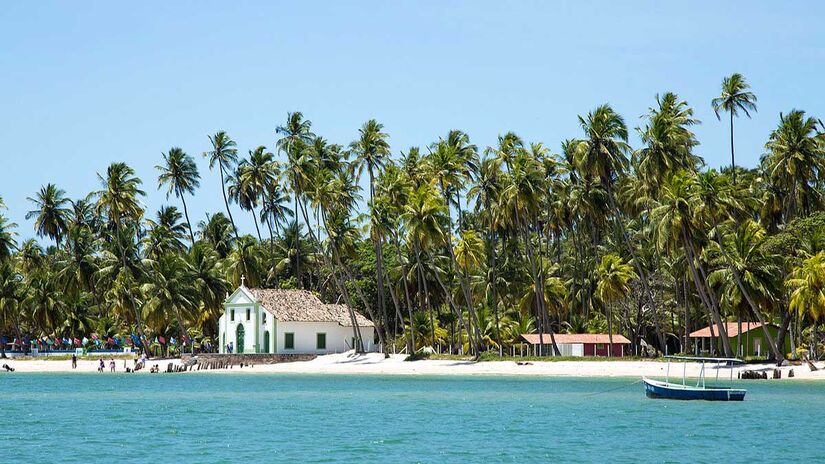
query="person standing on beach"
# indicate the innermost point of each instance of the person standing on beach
(74, 361)
(101, 366)
(112, 365)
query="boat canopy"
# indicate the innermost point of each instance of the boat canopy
(701, 359)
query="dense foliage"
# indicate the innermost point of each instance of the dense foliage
(455, 246)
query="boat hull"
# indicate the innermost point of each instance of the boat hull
(672, 391)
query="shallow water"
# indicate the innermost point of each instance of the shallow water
(300, 418)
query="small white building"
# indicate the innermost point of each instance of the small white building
(257, 320)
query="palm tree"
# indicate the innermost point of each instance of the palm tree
(674, 228)
(614, 284)
(216, 231)
(253, 178)
(166, 234)
(795, 162)
(668, 141)
(735, 97)
(180, 174)
(748, 274)
(171, 286)
(425, 220)
(296, 134)
(209, 283)
(118, 201)
(224, 155)
(807, 285)
(7, 241)
(50, 213)
(486, 191)
(370, 150)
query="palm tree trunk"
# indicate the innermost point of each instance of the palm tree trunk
(453, 306)
(423, 283)
(778, 355)
(707, 298)
(255, 221)
(494, 302)
(379, 262)
(475, 337)
(636, 262)
(271, 237)
(186, 214)
(411, 335)
(732, 157)
(226, 202)
(297, 242)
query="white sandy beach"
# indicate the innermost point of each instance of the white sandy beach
(376, 364)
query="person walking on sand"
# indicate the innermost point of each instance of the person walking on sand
(101, 365)
(74, 361)
(112, 365)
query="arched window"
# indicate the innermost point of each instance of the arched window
(265, 348)
(239, 334)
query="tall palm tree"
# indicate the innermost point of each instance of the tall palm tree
(675, 228)
(50, 213)
(735, 97)
(179, 174)
(118, 201)
(255, 177)
(224, 155)
(371, 150)
(486, 192)
(295, 135)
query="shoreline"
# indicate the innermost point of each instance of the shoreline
(376, 364)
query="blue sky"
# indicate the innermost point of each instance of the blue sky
(86, 84)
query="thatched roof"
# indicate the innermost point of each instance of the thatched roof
(303, 306)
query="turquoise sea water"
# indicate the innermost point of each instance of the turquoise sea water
(352, 419)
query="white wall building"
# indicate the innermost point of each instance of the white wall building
(257, 320)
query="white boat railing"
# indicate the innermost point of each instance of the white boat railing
(701, 380)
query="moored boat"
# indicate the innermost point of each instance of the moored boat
(677, 391)
(682, 391)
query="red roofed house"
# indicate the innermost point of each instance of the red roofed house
(579, 344)
(752, 337)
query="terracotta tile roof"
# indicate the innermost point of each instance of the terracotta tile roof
(303, 306)
(731, 327)
(533, 339)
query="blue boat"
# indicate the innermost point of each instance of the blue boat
(682, 391)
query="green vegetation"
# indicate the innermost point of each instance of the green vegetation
(452, 245)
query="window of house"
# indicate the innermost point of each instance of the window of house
(247, 314)
(263, 318)
(320, 341)
(289, 341)
(599, 346)
(232, 315)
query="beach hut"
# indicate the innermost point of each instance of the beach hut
(579, 344)
(258, 320)
(752, 338)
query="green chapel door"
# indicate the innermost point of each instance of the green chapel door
(266, 343)
(239, 334)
